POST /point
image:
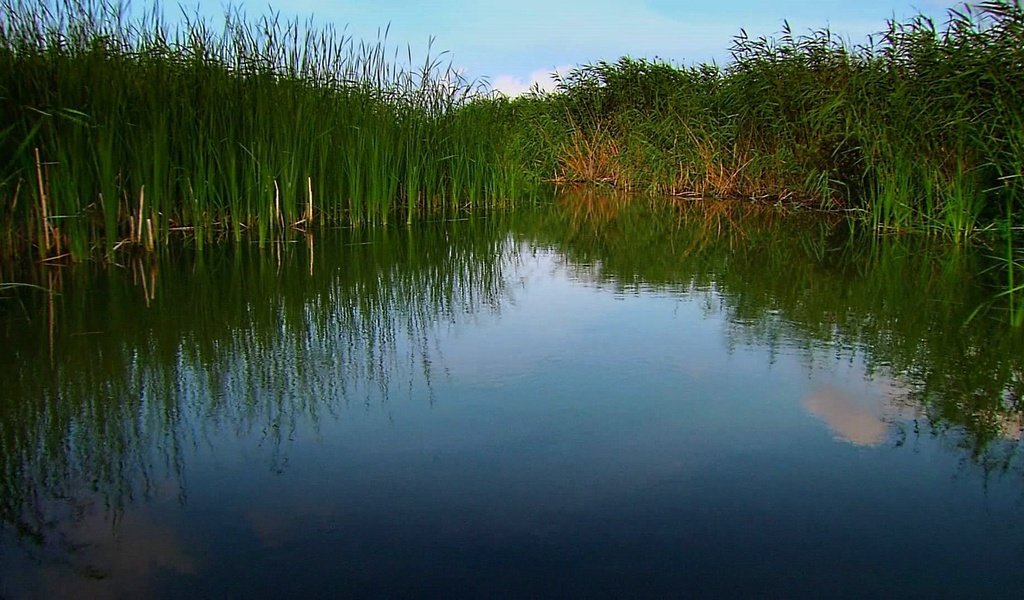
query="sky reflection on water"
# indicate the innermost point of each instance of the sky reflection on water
(513, 415)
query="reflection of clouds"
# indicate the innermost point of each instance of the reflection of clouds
(863, 417)
(109, 557)
(1011, 426)
(852, 420)
(275, 528)
(125, 557)
(272, 530)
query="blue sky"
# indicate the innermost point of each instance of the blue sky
(515, 42)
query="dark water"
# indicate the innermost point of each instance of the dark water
(599, 398)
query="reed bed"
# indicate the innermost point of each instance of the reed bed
(920, 127)
(120, 130)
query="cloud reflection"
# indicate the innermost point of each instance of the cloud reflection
(851, 420)
(110, 557)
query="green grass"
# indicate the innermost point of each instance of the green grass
(922, 127)
(120, 132)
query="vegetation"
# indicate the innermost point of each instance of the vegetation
(921, 127)
(120, 133)
(119, 130)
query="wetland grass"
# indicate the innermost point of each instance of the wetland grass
(122, 130)
(119, 131)
(922, 127)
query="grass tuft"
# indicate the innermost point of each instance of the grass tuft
(119, 131)
(920, 127)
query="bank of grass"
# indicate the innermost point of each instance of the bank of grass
(122, 130)
(119, 132)
(921, 127)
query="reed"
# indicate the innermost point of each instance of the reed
(920, 127)
(119, 131)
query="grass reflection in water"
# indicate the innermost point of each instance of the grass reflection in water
(111, 380)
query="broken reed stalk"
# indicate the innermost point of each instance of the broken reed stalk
(277, 205)
(142, 201)
(309, 203)
(42, 204)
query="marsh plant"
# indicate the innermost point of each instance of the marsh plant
(922, 126)
(118, 128)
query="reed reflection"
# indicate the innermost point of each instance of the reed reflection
(114, 380)
(907, 306)
(116, 374)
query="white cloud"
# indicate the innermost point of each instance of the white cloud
(513, 85)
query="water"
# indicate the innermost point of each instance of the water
(599, 398)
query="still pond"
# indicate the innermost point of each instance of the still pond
(604, 397)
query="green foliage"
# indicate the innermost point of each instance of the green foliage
(118, 131)
(919, 127)
(121, 130)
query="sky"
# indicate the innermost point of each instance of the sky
(514, 43)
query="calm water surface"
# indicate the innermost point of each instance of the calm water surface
(597, 398)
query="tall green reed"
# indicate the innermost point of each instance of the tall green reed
(122, 129)
(916, 128)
